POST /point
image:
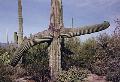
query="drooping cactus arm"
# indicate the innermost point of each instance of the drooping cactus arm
(24, 47)
(72, 32)
(46, 34)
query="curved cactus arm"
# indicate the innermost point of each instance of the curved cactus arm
(24, 47)
(72, 32)
(46, 34)
(41, 40)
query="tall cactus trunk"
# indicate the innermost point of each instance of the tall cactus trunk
(54, 58)
(20, 21)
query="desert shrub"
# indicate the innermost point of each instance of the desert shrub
(87, 52)
(107, 59)
(6, 53)
(70, 52)
(35, 62)
(82, 53)
(2, 50)
(5, 58)
(73, 75)
(5, 70)
(5, 73)
(37, 55)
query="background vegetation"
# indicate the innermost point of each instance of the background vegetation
(100, 55)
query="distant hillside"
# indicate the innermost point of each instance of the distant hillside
(3, 44)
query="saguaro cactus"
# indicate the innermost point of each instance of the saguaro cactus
(20, 30)
(15, 38)
(55, 33)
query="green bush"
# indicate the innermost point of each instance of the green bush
(5, 73)
(73, 75)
